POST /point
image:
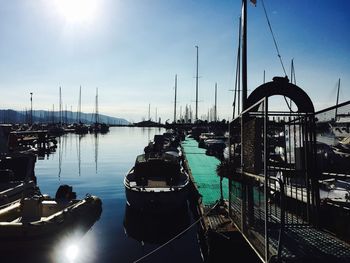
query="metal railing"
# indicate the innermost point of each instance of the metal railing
(275, 184)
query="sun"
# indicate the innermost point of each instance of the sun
(77, 11)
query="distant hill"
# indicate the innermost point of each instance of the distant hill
(12, 116)
(148, 124)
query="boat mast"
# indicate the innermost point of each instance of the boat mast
(149, 112)
(79, 106)
(96, 105)
(244, 55)
(336, 109)
(215, 107)
(175, 98)
(60, 107)
(53, 113)
(197, 86)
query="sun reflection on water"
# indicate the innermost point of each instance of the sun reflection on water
(75, 247)
(71, 252)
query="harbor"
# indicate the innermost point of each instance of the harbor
(146, 132)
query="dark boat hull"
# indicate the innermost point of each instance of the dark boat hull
(158, 201)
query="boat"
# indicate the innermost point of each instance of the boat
(97, 126)
(340, 126)
(80, 128)
(17, 179)
(342, 148)
(157, 181)
(39, 221)
(215, 147)
(335, 191)
(168, 141)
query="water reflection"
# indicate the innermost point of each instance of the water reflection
(79, 137)
(111, 155)
(96, 136)
(152, 227)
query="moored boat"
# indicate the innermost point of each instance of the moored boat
(341, 126)
(158, 182)
(17, 179)
(39, 221)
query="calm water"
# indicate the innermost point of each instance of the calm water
(97, 165)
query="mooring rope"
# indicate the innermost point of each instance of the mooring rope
(178, 235)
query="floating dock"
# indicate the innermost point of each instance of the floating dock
(202, 168)
(217, 234)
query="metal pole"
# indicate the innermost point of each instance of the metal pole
(244, 55)
(266, 179)
(336, 109)
(215, 109)
(197, 86)
(60, 107)
(175, 98)
(31, 108)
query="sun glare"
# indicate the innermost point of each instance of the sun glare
(77, 11)
(72, 252)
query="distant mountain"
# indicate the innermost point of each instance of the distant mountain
(12, 116)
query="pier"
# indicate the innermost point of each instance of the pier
(273, 201)
(217, 233)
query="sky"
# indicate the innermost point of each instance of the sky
(131, 50)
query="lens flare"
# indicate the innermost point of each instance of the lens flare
(72, 252)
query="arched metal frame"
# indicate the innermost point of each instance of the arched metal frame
(281, 86)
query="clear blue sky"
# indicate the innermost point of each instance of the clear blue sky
(131, 50)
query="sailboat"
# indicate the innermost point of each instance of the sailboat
(341, 125)
(80, 128)
(57, 128)
(97, 126)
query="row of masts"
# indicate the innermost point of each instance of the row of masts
(241, 48)
(63, 114)
(196, 110)
(79, 111)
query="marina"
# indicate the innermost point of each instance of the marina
(236, 161)
(95, 167)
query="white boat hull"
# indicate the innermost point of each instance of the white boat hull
(46, 231)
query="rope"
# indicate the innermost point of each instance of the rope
(274, 39)
(178, 235)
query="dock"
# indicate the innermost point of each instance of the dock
(221, 234)
(217, 233)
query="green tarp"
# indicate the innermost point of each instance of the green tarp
(203, 168)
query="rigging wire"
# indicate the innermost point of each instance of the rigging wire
(278, 53)
(238, 70)
(274, 39)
